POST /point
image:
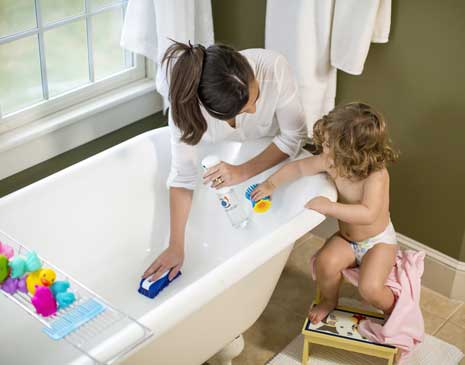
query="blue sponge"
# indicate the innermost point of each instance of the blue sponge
(152, 288)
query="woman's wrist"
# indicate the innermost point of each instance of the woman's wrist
(244, 171)
(177, 244)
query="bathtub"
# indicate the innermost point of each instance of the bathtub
(106, 218)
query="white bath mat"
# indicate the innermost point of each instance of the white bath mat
(432, 351)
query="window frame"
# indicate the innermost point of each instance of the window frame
(50, 105)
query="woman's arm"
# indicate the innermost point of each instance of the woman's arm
(172, 258)
(270, 157)
(235, 174)
(181, 181)
(292, 171)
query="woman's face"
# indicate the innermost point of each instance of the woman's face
(254, 94)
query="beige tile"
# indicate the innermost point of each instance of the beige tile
(437, 304)
(432, 322)
(453, 334)
(253, 355)
(305, 237)
(458, 318)
(272, 332)
(295, 289)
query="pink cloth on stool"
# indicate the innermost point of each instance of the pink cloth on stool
(405, 327)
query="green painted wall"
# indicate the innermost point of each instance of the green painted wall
(240, 23)
(418, 81)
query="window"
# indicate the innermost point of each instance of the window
(56, 53)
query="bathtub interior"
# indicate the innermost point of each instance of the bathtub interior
(105, 219)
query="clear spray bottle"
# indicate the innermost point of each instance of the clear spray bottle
(228, 198)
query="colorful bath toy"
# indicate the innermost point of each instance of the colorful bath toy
(62, 296)
(44, 302)
(152, 288)
(4, 270)
(65, 299)
(20, 266)
(32, 262)
(39, 278)
(11, 285)
(260, 206)
(6, 250)
(59, 286)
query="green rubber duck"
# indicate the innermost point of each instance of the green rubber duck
(3, 268)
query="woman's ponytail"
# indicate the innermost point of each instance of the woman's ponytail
(217, 78)
(184, 62)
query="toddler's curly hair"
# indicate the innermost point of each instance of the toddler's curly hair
(357, 139)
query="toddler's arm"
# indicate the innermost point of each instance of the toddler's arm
(375, 193)
(292, 171)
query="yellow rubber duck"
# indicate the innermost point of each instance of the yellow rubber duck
(42, 277)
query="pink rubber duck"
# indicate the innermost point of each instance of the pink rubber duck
(44, 302)
(6, 250)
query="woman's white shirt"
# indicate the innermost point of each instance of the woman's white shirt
(279, 114)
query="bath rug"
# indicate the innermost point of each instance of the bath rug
(432, 351)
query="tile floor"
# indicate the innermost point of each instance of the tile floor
(284, 316)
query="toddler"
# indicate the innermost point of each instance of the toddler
(354, 150)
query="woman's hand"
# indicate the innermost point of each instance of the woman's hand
(170, 259)
(224, 174)
(320, 204)
(262, 190)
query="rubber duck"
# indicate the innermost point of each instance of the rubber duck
(11, 285)
(39, 278)
(63, 297)
(19, 265)
(4, 270)
(6, 250)
(44, 302)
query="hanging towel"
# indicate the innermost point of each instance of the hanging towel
(301, 31)
(150, 24)
(319, 36)
(357, 23)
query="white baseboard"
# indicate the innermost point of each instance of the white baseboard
(31, 144)
(442, 273)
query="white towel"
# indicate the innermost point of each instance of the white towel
(317, 35)
(301, 31)
(357, 23)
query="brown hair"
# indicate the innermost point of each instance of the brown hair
(357, 139)
(217, 77)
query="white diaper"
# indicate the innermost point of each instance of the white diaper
(361, 248)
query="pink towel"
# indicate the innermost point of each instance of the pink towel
(404, 328)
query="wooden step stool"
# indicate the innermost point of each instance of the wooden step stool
(339, 330)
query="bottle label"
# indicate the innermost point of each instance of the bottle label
(226, 203)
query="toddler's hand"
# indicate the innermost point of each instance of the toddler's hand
(319, 204)
(262, 190)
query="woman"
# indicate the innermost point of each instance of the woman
(217, 93)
